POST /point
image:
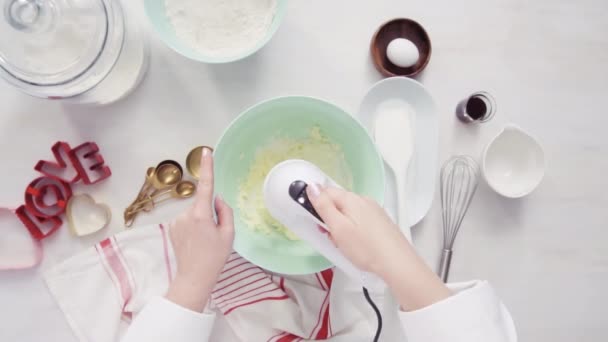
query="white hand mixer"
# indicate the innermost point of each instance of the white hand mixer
(286, 199)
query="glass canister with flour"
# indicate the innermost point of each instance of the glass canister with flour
(78, 51)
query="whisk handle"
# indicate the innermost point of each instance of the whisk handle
(444, 264)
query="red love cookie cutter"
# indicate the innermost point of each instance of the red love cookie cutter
(40, 217)
(39, 201)
(89, 163)
(63, 167)
(36, 192)
(39, 227)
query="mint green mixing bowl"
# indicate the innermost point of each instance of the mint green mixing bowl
(155, 10)
(292, 116)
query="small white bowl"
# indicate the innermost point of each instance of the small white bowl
(513, 163)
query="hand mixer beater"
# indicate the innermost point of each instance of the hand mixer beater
(459, 178)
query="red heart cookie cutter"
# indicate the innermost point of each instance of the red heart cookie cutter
(8, 263)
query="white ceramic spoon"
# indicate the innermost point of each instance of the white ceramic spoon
(394, 137)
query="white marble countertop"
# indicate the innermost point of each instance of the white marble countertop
(545, 62)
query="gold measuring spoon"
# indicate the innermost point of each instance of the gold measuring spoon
(166, 174)
(149, 174)
(183, 189)
(129, 218)
(159, 177)
(193, 161)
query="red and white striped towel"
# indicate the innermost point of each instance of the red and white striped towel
(102, 289)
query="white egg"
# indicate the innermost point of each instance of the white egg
(402, 52)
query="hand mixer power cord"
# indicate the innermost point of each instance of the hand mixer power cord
(378, 315)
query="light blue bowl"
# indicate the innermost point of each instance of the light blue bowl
(155, 10)
(293, 116)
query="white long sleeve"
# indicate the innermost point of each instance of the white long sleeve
(473, 314)
(162, 320)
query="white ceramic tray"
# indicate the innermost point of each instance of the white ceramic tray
(422, 173)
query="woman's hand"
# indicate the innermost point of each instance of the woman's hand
(201, 245)
(364, 233)
(359, 227)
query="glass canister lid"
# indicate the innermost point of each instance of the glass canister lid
(58, 48)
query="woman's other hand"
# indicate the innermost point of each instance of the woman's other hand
(201, 245)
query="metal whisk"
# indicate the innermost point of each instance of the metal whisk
(459, 177)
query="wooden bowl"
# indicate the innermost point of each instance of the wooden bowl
(400, 28)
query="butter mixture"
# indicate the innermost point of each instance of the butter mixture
(315, 148)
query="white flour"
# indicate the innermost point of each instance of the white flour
(221, 28)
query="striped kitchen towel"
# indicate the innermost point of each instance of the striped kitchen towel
(102, 289)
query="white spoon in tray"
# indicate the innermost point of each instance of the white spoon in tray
(394, 137)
